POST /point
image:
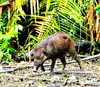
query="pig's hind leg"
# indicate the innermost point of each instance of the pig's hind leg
(75, 57)
(79, 62)
(42, 67)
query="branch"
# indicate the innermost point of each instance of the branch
(6, 3)
(69, 72)
(6, 71)
(97, 84)
(89, 83)
(91, 57)
(17, 76)
(15, 68)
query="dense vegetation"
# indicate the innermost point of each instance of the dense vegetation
(24, 23)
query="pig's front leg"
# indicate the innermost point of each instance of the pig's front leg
(42, 67)
(53, 64)
(63, 62)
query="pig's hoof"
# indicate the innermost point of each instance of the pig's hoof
(52, 73)
(34, 71)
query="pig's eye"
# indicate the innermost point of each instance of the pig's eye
(64, 37)
(38, 58)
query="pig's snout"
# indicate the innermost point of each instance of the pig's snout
(35, 69)
(36, 66)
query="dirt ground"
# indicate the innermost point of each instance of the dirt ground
(21, 75)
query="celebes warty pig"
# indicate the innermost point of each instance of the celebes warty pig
(55, 46)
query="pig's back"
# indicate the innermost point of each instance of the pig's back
(51, 37)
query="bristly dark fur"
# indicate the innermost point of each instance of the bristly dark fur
(54, 46)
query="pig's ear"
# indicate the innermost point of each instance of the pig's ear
(51, 43)
(45, 49)
(64, 37)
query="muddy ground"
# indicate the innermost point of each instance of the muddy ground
(21, 75)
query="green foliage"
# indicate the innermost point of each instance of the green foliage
(2, 1)
(6, 49)
(57, 15)
(9, 30)
(97, 8)
(61, 15)
(96, 48)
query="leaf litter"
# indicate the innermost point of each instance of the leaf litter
(22, 75)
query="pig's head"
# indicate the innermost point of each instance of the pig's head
(62, 41)
(39, 58)
(36, 66)
(37, 63)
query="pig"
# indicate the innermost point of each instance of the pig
(54, 47)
